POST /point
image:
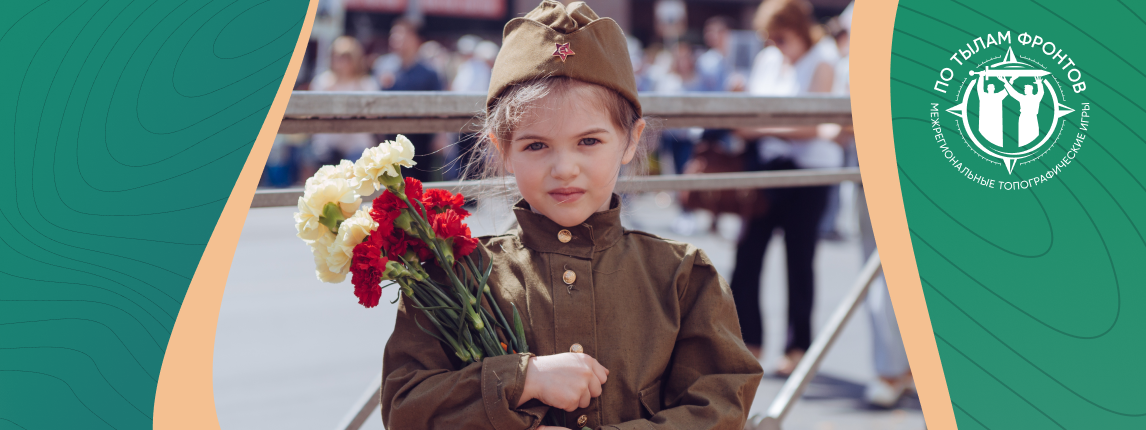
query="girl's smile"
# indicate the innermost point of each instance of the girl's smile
(567, 194)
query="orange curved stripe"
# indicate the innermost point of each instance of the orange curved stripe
(873, 22)
(184, 398)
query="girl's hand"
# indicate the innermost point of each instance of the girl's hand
(565, 381)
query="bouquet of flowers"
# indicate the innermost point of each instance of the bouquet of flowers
(405, 230)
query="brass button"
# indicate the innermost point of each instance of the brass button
(576, 348)
(569, 277)
(564, 236)
(582, 420)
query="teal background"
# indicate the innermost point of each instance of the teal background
(1036, 296)
(123, 128)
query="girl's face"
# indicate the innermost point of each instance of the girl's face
(566, 155)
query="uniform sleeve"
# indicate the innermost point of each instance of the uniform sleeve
(713, 377)
(420, 389)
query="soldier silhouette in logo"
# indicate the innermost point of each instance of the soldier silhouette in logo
(1028, 109)
(991, 111)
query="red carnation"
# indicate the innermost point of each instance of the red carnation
(367, 266)
(402, 242)
(413, 189)
(396, 244)
(385, 220)
(420, 249)
(388, 202)
(368, 295)
(464, 245)
(438, 201)
(448, 225)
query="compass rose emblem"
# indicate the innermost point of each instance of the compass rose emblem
(990, 120)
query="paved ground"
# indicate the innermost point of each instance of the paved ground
(294, 353)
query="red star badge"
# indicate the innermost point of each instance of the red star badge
(562, 51)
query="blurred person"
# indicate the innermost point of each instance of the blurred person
(893, 372)
(347, 73)
(646, 74)
(670, 20)
(411, 75)
(678, 70)
(712, 66)
(836, 27)
(708, 72)
(636, 56)
(436, 57)
(487, 51)
(680, 77)
(473, 76)
(798, 61)
(463, 51)
(679, 142)
(843, 44)
(474, 71)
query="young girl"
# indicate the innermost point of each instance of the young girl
(625, 329)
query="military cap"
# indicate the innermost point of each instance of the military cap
(564, 40)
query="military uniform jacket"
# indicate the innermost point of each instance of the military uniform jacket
(653, 311)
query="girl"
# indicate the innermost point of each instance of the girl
(626, 330)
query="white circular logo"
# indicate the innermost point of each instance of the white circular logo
(981, 109)
(1010, 110)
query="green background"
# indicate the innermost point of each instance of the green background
(1036, 296)
(124, 125)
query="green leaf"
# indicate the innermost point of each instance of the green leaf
(431, 308)
(519, 329)
(429, 332)
(392, 182)
(331, 216)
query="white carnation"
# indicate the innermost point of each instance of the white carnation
(405, 151)
(316, 195)
(306, 222)
(383, 159)
(321, 250)
(372, 164)
(350, 234)
(344, 170)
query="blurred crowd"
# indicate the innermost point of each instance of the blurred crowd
(716, 58)
(788, 51)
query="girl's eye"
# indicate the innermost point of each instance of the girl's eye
(589, 141)
(535, 146)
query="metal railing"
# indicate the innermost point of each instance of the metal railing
(706, 181)
(810, 364)
(429, 112)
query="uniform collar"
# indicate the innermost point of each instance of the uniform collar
(541, 234)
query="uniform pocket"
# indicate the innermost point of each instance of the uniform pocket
(651, 398)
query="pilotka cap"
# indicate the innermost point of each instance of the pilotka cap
(559, 40)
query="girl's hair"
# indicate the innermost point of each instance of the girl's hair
(510, 109)
(795, 15)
